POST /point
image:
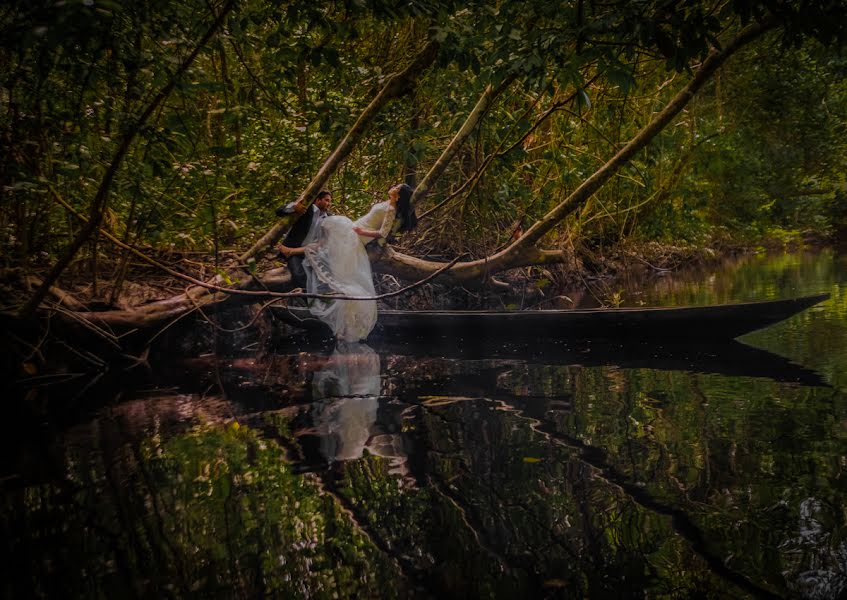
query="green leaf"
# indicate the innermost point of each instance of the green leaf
(225, 276)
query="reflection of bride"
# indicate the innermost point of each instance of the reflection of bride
(346, 392)
(347, 395)
(336, 263)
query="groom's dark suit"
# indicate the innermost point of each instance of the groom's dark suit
(295, 238)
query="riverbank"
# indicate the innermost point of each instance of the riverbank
(590, 271)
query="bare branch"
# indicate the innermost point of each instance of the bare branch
(101, 199)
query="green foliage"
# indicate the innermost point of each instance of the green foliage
(212, 509)
(267, 100)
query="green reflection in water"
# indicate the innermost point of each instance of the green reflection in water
(493, 478)
(213, 512)
(756, 467)
(816, 338)
(548, 512)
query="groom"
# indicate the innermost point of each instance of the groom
(304, 231)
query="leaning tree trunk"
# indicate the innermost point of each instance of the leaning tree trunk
(396, 86)
(524, 252)
(101, 199)
(470, 124)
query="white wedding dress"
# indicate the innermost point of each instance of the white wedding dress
(336, 263)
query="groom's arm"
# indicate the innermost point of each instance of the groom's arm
(288, 252)
(299, 226)
(291, 208)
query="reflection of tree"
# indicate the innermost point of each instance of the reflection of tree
(212, 512)
(558, 517)
(532, 481)
(600, 480)
(734, 458)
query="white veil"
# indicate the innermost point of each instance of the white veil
(338, 264)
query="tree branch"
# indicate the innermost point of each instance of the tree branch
(396, 85)
(100, 201)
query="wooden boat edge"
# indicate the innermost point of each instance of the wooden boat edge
(806, 302)
(717, 321)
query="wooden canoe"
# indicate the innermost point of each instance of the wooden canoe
(717, 322)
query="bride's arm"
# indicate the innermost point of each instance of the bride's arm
(365, 232)
(384, 230)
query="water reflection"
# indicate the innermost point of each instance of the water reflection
(346, 393)
(557, 473)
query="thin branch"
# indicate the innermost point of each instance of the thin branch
(98, 205)
(499, 153)
(99, 331)
(255, 318)
(254, 293)
(476, 115)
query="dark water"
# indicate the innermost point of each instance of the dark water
(366, 472)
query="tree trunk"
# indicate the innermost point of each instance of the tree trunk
(396, 85)
(482, 105)
(195, 297)
(100, 201)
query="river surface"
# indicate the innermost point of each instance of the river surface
(373, 472)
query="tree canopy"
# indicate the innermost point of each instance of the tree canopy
(181, 126)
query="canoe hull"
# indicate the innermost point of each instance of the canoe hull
(625, 324)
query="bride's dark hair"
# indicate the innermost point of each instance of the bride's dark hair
(404, 208)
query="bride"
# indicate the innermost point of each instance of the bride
(336, 263)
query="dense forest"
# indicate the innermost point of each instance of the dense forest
(173, 438)
(145, 146)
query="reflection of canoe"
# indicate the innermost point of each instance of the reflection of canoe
(724, 357)
(724, 321)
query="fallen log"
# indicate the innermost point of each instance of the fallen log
(193, 298)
